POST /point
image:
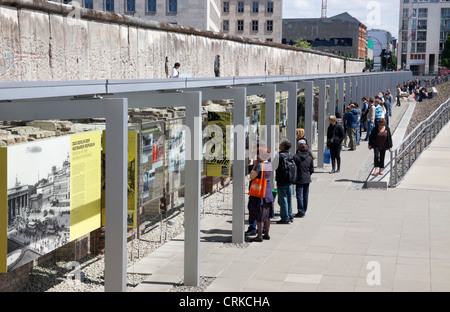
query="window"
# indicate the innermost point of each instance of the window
(423, 13)
(405, 25)
(226, 25)
(405, 13)
(405, 1)
(255, 26)
(89, 4)
(422, 24)
(269, 39)
(421, 47)
(151, 6)
(240, 7)
(269, 6)
(269, 26)
(413, 47)
(172, 6)
(255, 7)
(405, 35)
(131, 6)
(226, 7)
(404, 47)
(421, 36)
(413, 35)
(240, 25)
(109, 5)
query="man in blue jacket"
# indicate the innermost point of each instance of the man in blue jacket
(351, 119)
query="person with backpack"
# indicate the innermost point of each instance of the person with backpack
(335, 136)
(305, 167)
(285, 176)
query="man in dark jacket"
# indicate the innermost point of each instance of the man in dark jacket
(284, 186)
(351, 119)
(305, 167)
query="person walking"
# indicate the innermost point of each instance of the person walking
(363, 118)
(284, 186)
(335, 136)
(175, 71)
(378, 112)
(387, 107)
(391, 101)
(380, 140)
(351, 119)
(398, 93)
(261, 208)
(358, 132)
(305, 167)
(370, 118)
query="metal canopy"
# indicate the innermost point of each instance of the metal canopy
(188, 92)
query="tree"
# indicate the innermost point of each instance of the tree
(446, 54)
(369, 64)
(300, 42)
(388, 60)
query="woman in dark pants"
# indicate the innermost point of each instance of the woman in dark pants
(380, 140)
(261, 209)
(335, 136)
(305, 167)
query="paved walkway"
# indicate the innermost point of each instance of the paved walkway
(350, 240)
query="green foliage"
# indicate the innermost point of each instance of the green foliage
(300, 42)
(369, 64)
(446, 54)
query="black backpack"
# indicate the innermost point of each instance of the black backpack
(289, 169)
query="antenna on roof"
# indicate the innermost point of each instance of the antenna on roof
(324, 9)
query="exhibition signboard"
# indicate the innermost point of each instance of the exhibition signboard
(50, 195)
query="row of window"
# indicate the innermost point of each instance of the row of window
(254, 25)
(254, 7)
(423, 13)
(416, 47)
(415, 24)
(415, 36)
(172, 6)
(431, 1)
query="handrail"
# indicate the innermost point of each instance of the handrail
(408, 151)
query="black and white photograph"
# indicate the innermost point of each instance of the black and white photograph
(38, 199)
(147, 148)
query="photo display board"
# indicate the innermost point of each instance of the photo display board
(219, 166)
(131, 179)
(152, 140)
(50, 195)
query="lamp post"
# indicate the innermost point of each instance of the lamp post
(381, 46)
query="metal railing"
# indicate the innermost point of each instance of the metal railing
(408, 151)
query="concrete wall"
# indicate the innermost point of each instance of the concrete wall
(38, 41)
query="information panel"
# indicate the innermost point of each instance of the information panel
(50, 195)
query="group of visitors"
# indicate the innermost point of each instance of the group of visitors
(372, 117)
(413, 87)
(291, 170)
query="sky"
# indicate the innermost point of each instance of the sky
(381, 14)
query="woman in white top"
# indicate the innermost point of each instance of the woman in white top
(175, 71)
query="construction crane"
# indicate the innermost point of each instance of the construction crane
(324, 9)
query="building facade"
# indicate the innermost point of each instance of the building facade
(259, 19)
(424, 26)
(341, 34)
(382, 40)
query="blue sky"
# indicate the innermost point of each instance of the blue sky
(381, 14)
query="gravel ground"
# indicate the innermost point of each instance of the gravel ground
(52, 276)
